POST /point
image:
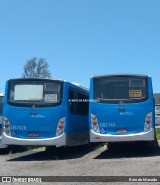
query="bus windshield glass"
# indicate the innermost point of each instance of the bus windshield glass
(36, 92)
(120, 88)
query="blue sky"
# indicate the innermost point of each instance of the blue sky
(81, 38)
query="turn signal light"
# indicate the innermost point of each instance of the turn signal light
(148, 121)
(94, 123)
(60, 127)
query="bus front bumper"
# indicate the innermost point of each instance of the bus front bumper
(56, 141)
(1, 145)
(143, 136)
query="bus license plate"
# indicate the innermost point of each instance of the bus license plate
(121, 131)
(33, 134)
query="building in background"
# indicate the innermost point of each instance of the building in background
(157, 109)
(157, 98)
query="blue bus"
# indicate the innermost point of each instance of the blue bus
(45, 112)
(121, 108)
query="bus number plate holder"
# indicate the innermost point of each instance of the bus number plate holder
(33, 134)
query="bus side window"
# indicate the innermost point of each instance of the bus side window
(78, 102)
(73, 104)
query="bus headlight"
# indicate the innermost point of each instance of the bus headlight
(94, 123)
(60, 127)
(6, 126)
(148, 122)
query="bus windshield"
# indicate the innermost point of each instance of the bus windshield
(34, 92)
(120, 88)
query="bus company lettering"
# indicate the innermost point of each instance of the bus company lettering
(38, 116)
(108, 124)
(126, 114)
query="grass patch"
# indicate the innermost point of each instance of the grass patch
(158, 133)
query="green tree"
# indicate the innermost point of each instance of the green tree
(36, 68)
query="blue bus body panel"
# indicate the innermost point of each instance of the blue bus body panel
(116, 120)
(77, 125)
(111, 120)
(41, 125)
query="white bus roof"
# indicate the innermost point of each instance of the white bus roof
(79, 85)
